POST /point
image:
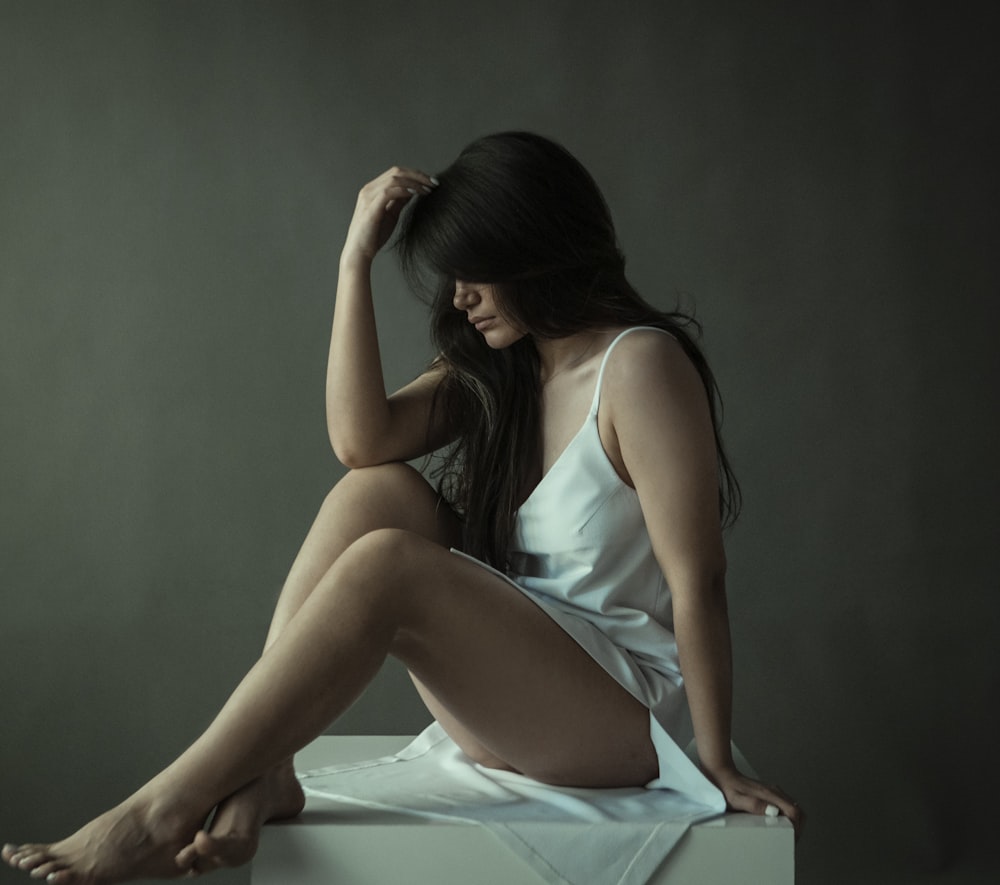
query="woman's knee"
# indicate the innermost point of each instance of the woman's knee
(393, 495)
(386, 564)
(405, 576)
(383, 480)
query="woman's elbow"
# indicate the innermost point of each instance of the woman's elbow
(350, 453)
(350, 460)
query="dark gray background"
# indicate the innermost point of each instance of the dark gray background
(817, 179)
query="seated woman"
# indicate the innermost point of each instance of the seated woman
(581, 634)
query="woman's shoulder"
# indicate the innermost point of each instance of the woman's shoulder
(644, 357)
(639, 348)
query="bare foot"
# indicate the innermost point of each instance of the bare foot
(234, 834)
(133, 840)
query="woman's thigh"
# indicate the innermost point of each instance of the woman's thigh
(508, 683)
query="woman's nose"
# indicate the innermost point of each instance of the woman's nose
(465, 296)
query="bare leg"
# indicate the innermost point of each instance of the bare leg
(390, 496)
(524, 689)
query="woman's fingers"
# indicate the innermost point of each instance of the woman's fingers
(746, 794)
(379, 204)
(399, 184)
(779, 799)
(413, 177)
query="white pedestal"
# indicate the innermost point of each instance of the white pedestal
(365, 847)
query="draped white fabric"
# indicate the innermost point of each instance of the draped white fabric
(569, 836)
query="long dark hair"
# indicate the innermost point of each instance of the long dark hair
(520, 212)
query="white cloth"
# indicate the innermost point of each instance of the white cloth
(581, 552)
(569, 836)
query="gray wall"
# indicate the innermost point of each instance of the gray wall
(818, 179)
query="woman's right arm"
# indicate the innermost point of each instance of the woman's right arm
(366, 427)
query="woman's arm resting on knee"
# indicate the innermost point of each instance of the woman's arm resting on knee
(366, 427)
(662, 427)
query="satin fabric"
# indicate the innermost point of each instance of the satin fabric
(581, 552)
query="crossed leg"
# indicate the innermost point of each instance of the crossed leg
(391, 496)
(522, 691)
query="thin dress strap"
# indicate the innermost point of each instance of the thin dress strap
(604, 362)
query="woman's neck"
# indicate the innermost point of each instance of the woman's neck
(559, 355)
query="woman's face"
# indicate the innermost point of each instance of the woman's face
(477, 301)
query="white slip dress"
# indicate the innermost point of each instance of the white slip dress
(581, 552)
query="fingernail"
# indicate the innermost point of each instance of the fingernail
(433, 180)
(425, 189)
(411, 190)
(771, 811)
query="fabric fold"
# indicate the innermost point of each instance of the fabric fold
(569, 836)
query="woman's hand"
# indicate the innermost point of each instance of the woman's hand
(377, 211)
(745, 794)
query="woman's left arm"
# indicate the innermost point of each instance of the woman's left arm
(662, 428)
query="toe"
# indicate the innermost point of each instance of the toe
(32, 858)
(14, 854)
(210, 864)
(186, 857)
(25, 857)
(209, 851)
(205, 843)
(45, 870)
(219, 852)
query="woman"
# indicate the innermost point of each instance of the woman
(587, 490)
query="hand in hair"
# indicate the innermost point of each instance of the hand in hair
(377, 210)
